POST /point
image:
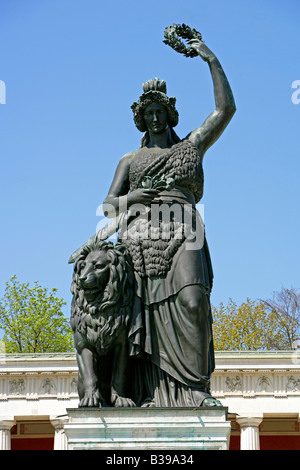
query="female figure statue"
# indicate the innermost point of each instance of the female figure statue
(171, 328)
(153, 198)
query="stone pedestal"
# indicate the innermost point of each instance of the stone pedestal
(148, 429)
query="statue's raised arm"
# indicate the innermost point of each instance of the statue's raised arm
(205, 135)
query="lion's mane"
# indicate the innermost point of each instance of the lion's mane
(97, 322)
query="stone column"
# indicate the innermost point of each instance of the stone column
(5, 427)
(60, 438)
(249, 432)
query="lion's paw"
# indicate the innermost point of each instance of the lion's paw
(91, 398)
(122, 402)
(148, 403)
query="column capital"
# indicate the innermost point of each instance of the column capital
(249, 420)
(59, 421)
(6, 423)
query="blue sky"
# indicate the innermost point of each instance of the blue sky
(72, 70)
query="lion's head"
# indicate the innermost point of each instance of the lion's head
(102, 287)
(93, 273)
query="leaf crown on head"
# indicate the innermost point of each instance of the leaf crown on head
(154, 91)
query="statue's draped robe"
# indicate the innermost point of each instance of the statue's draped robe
(169, 254)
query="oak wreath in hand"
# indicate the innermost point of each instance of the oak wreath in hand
(172, 34)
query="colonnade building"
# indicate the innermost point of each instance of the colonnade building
(260, 389)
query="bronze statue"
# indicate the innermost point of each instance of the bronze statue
(152, 202)
(103, 288)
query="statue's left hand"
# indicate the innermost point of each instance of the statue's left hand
(204, 52)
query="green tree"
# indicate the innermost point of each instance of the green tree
(250, 326)
(32, 320)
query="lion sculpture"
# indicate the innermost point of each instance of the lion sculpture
(102, 289)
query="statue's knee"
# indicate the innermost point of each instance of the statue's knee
(195, 302)
(193, 307)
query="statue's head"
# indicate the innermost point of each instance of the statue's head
(155, 94)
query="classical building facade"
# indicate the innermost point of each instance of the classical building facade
(260, 389)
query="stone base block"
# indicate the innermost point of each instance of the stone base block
(148, 429)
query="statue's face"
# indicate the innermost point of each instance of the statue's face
(156, 118)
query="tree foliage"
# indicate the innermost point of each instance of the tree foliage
(32, 320)
(285, 307)
(258, 325)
